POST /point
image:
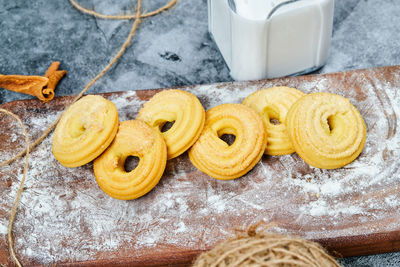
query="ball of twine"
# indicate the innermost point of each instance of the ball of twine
(266, 249)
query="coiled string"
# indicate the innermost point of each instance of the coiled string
(30, 146)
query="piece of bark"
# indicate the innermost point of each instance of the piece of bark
(54, 75)
(41, 87)
(31, 85)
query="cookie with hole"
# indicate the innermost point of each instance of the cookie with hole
(134, 139)
(221, 160)
(326, 130)
(85, 130)
(273, 104)
(182, 112)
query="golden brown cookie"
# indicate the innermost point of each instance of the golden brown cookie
(85, 130)
(326, 130)
(180, 107)
(215, 157)
(134, 138)
(273, 104)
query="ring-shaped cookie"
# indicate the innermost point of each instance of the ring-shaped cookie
(85, 130)
(215, 157)
(180, 107)
(273, 104)
(134, 138)
(326, 130)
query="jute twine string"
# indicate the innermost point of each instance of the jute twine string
(31, 146)
(130, 16)
(260, 248)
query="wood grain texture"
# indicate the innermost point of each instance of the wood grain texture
(65, 219)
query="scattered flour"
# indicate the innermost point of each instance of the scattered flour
(3, 228)
(64, 216)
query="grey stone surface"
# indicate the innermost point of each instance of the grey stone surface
(170, 49)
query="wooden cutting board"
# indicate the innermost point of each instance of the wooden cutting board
(65, 219)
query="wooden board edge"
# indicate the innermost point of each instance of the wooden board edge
(178, 259)
(362, 245)
(339, 247)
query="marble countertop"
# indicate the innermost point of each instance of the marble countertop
(170, 49)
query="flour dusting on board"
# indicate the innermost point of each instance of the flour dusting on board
(64, 216)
